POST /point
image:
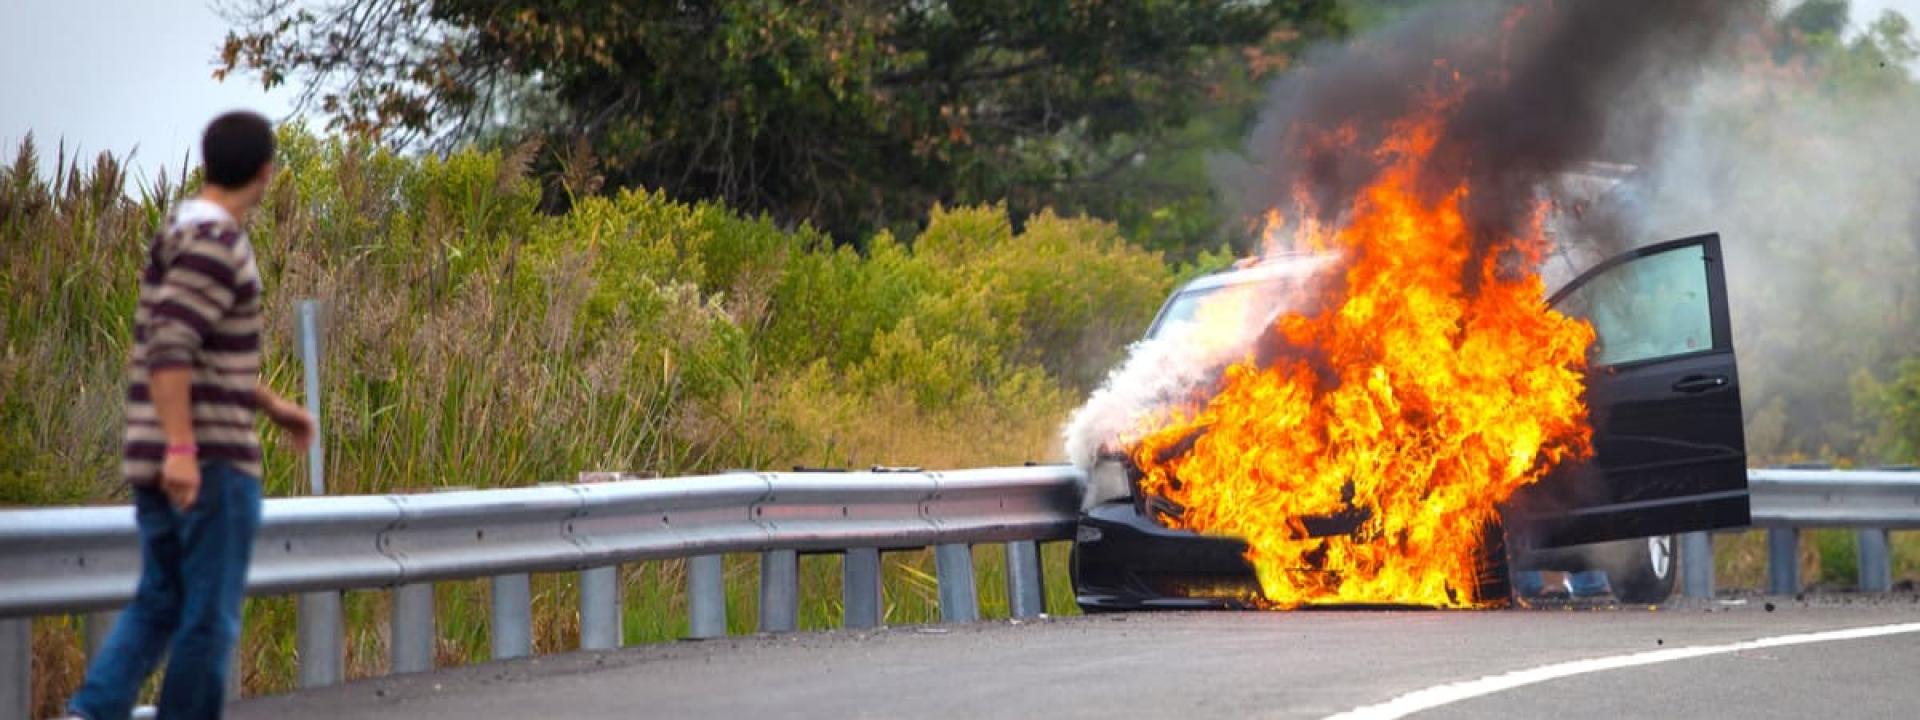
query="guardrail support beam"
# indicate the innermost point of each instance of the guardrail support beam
(322, 662)
(1696, 564)
(953, 564)
(99, 625)
(237, 670)
(512, 616)
(860, 587)
(706, 597)
(1026, 597)
(412, 628)
(600, 608)
(1783, 561)
(1875, 560)
(16, 667)
(779, 591)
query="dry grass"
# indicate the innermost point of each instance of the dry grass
(471, 342)
(1827, 559)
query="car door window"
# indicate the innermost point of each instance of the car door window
(1650, 307)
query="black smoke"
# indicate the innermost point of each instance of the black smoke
(1551, 86)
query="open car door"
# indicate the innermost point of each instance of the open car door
(1664, 396)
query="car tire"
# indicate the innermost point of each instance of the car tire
(1642, 572)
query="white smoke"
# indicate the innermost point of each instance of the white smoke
(1158, 373)
(1815, 191)
(1180, 364)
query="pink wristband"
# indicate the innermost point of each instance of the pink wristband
(186, 449)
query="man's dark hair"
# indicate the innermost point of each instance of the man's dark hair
(236, 146)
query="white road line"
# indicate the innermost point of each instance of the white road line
(1450, 693)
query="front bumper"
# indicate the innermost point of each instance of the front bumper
(1124, 561)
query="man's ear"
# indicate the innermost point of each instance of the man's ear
(264, 177)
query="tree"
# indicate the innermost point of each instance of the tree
(850, 115)
(1816, 181)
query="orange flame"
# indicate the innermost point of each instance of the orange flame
(1408, 396)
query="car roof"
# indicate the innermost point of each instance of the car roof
(1271, 267)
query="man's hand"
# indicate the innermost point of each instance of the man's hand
(180, 480)
(291, 418)
(180, 472)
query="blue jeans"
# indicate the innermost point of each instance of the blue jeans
(193, 579)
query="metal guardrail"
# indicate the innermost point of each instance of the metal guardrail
(74, 560)
(1835, 498)
(1789, 500)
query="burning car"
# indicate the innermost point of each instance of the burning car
(1658, 386)
(1389, 407)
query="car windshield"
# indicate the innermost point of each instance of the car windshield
(1222, 303)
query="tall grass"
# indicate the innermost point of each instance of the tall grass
(472, 341)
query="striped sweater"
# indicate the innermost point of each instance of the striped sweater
(199, 309)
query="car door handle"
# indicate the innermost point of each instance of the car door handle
(1700, 383)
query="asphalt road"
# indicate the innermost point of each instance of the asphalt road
(1202, 665)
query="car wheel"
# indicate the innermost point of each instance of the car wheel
(1642, 572)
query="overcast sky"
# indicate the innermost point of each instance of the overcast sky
(116, 75)
(120, 74)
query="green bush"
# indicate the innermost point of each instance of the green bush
(1892, 409)
(473, 341)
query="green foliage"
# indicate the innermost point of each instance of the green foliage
(1825, 303)
(1818, 17)
(853, 116)
(1892, 410)
(471, 341)
(1836, 557)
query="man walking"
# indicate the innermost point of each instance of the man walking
(192, 453)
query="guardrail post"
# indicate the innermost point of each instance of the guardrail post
(16, 667)
(860, 587)
(512, 616)
(237, 671)
(1025, 595)
(412, 628)
(321, 661)
(600, 608)
(1696, 564)
(779, 590)
(706, 597)
(99, 626)
(1783, 561)
(954, 565)
(1875, 561)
